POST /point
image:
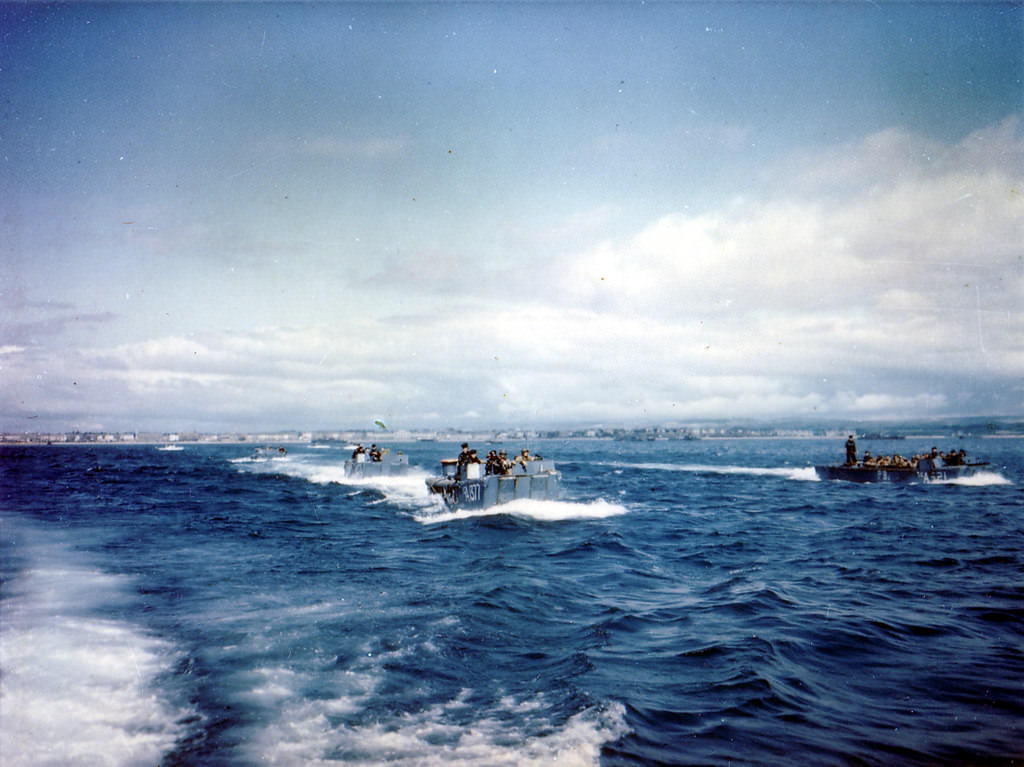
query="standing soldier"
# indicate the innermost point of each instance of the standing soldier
(463, 460)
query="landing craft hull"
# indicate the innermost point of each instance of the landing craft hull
(541, 483)
(861, 474)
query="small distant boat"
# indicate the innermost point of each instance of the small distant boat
(168, 448)
(926, 470)
(363, 465)
(535, 480)
(268, 452)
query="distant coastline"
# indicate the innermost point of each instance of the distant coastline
(1006, 428)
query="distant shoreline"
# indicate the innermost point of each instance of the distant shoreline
(255, 443)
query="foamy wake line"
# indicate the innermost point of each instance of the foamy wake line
(412, 483)
(802, 473)
(402, 489)
(76, 689)
(432, 738)
(980, 479)
(544, 511)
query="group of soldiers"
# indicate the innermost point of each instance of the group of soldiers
(952, 458)
(373, 453)
(497, 461)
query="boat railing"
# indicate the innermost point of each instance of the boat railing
(536, 466)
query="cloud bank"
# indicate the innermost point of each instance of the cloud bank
(881, 278)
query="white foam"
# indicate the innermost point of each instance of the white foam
(305, 735)
(77, 689)
(402, 488)
(980, 479)
(299, 730)
(802, 473)
(544, 511)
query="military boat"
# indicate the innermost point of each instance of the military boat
(366, 466)
(268, 452)
(535, 479)
(926, 470)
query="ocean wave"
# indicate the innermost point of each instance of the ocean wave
(197, 611)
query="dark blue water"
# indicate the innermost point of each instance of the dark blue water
(685, 603)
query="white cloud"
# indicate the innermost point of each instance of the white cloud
(909, 265)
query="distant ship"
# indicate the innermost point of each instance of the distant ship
(535, 480)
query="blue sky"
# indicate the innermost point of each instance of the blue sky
(291, 215)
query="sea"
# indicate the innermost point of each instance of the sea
(704, 602)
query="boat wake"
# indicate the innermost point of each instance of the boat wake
(511, 732)
(542, 511)
(68, 668)
(402, 488)
(978, 479)
(799, 473)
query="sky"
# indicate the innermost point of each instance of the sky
(221, 216)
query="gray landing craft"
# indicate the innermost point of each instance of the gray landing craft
(536, 480)
(928, 469)
(362, 465)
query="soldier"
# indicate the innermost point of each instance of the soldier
(463, 460)
(504, 464)
(493, 465)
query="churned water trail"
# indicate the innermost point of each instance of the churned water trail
(699, 602)
(541, 511)
(981, 479)
(69, 672)
(805, 473)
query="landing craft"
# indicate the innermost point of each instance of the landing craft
(891, 474)
(934, 467)
(268, 452)
(533, 480)
(362, 466)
